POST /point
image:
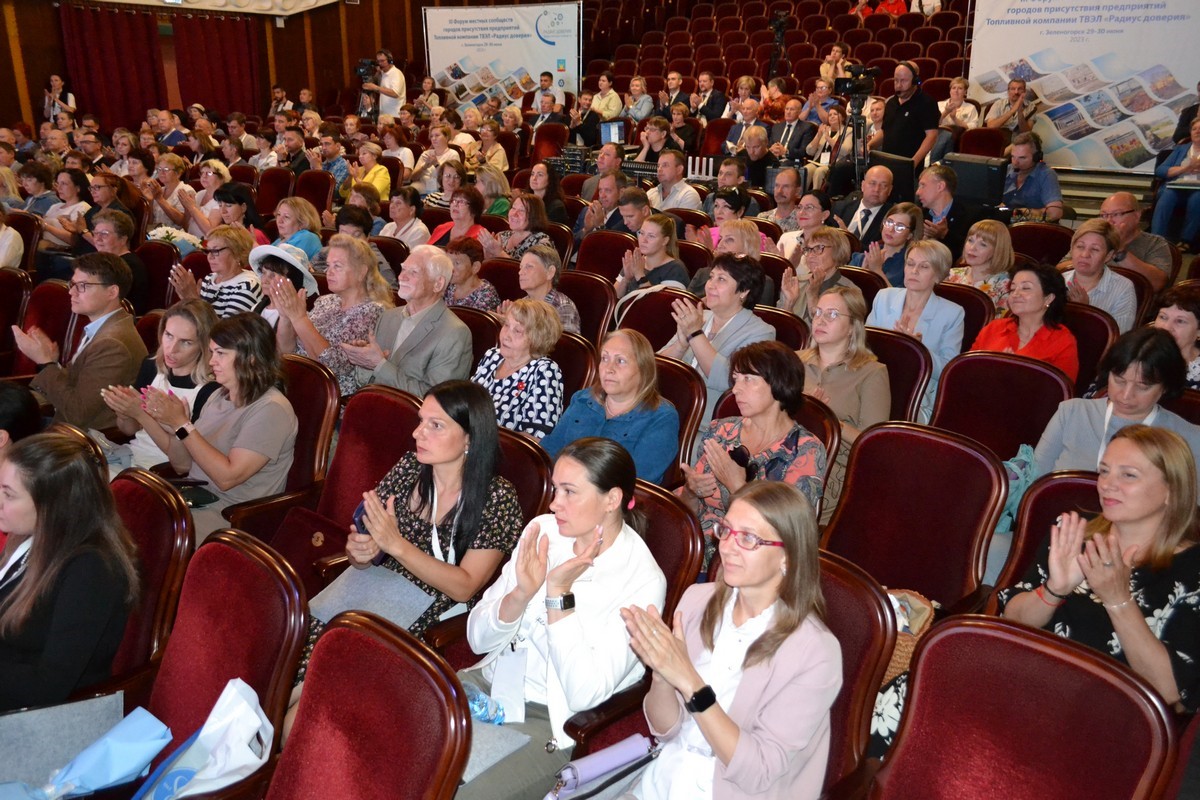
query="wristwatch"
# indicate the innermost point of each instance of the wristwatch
(564, 602)
(1118, 256)
(701, 700)
(184, 430)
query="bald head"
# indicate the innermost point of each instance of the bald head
(876, 186)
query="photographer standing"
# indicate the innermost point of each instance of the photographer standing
(390, 85)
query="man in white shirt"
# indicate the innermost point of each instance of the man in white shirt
(235, 124)
(863, 214)
(1013, 111)
(672, 191)
(546, 87)
(390, 86)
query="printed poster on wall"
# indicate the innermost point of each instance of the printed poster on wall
(478, 52)
(1111, 78)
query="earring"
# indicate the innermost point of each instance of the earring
(783, 570)
(467, 450)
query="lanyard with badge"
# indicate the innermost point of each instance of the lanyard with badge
(1104, 437)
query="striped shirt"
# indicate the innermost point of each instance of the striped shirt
(241, 293)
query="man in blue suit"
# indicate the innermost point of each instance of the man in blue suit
(733, 142)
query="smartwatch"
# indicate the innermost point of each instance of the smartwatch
(565, 602)
(701, 700)
(184, 430)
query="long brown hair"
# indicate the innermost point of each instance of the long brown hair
(256, 364)
(75, 514)
(787, 511)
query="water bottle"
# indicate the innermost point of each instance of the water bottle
(483, 707)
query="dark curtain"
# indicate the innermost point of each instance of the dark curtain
(217, 56)
(114, 61)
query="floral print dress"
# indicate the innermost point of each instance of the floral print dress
(996, 287)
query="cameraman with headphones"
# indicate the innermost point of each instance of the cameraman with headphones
(390, 84)
(1031, 187)
(910, 118)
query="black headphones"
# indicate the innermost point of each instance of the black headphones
(388, 55)
(1037, 147)
(915, 72)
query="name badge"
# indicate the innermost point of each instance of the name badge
(508, 684)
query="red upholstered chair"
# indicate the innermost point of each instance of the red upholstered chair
(1046, 498)
(241, 615)
(695, 256)
(869, 283)
(1143, 290)
(1187, 405)
(316, 186)
(548, 140)
(48, 308)
(413, 701)
(601, 252)
(712, 143)
(15, 288)
(572, 184)
(29, 228)
(158, 257)
(910, 368)
(526, 466)
(595, 299)
(161, 526)
(937, 544)
(1044, 241)
(244, 173)
(1095, 330)
(789, 329)
(576, 357)
(984, 142)
(147, 328)
(979, 391)
(503, 274)
(432, 217)
(485, 329)
(274, 184)
(394, 250)
(682, 385)
(978, 308)
(973, 716)
(494, 223)
(563, 238)
(691, 216)
(677, 544)
(650, 314)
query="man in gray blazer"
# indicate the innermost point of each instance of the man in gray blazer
(422, 343)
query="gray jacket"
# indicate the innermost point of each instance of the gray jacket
(438, 350)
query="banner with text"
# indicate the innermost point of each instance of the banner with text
(1110, 78)
(475, 53)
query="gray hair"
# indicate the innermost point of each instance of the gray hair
(434, 261)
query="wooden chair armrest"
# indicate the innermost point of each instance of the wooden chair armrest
(262, 517)
(136, 684)
(855, 785)
(442, 634)
(971, 604)
(586, 724)
(330, 567)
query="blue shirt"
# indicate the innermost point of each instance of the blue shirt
(305, 239)
(40, 204)
(893, 266)
(1039, 190)
(340, 171)
(651, 437)
(814, 117)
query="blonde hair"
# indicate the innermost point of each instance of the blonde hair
(8, 183)
(200, 313)
(362, 256)
(219, 168)
(643, 358)
(543, 327)
(306, 213)
(859, 354)
(491, 183)
(937, 254)
(835, 238)
(996, 234)
(745, 234)
(239, 241)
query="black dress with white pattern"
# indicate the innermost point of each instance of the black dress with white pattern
(530, 400)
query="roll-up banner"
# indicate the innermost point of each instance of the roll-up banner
(475, 53)
(1111, 78)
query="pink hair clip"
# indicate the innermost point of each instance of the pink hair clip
(632, 501)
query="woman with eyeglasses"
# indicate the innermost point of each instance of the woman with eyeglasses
(466, 205)
(987, 260)
(825, 251)
(425, 175)
(623, 405)
(232, 287)
(527, 224)
(916, 311)
(842, 372)
(166, 192)
(903, 225)
(452, 176)
(203, 208)
(72, 187)
(1179, 315)
(655, 260)
(745, 675)
(764, 443)
(813, 212)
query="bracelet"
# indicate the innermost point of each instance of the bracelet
(1122, 604)
(1042, 597)
(1046, 586)
(695, 333)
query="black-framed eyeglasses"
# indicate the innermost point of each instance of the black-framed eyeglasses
(214, 251)
(744, 539)
(79, 287)
(741, 457)
(815, 250)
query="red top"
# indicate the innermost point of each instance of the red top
(1053, 345)
(893, 7)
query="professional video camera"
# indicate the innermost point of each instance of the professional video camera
(861, 82)
(366, 70)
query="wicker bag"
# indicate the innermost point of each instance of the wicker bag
(917, 611)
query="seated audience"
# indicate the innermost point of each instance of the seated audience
(763, 443)
(425, 342)
(947, 219)
(489, 151)
(655, 261)
(495, 189)
(355, 221)
(266, 157)
(729, 176)
(395, 139)
(1179, 173)
(903, 224)
(38, 182)
(833, 144)
(1014, 111)
(166, 193)
(654, 139)
(672, 191)
(58, 223)
(957, 115)
(527, 225)
(539, 271)
(918, 312)
(113, 232)
(826, 250)
(708, 339)
(364, 196)
(370, 171)
(68, 572)
(180, 367)
(546, 184)
(1031, 186)
(235, 201)
(682, 136)
(1090, 281)
(299, 225)
(1143, 367)
(841, 371)
(758, 158)
(109, 354)
(452, 176)
(638, 104)
(814, 212)
(1139, 250)
(526, 385)
(763, 726)
(466, 287)
(1034, 325)
(424, 175)
(203, 208)
(587, 556)
(623, 405)
(232, 287)
(405, 212)
(1178, 314)
(606, 102)
(242, 444)
(19, 417)
(283, 261)
(987, 260)
(466, 206)
(357, 297)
